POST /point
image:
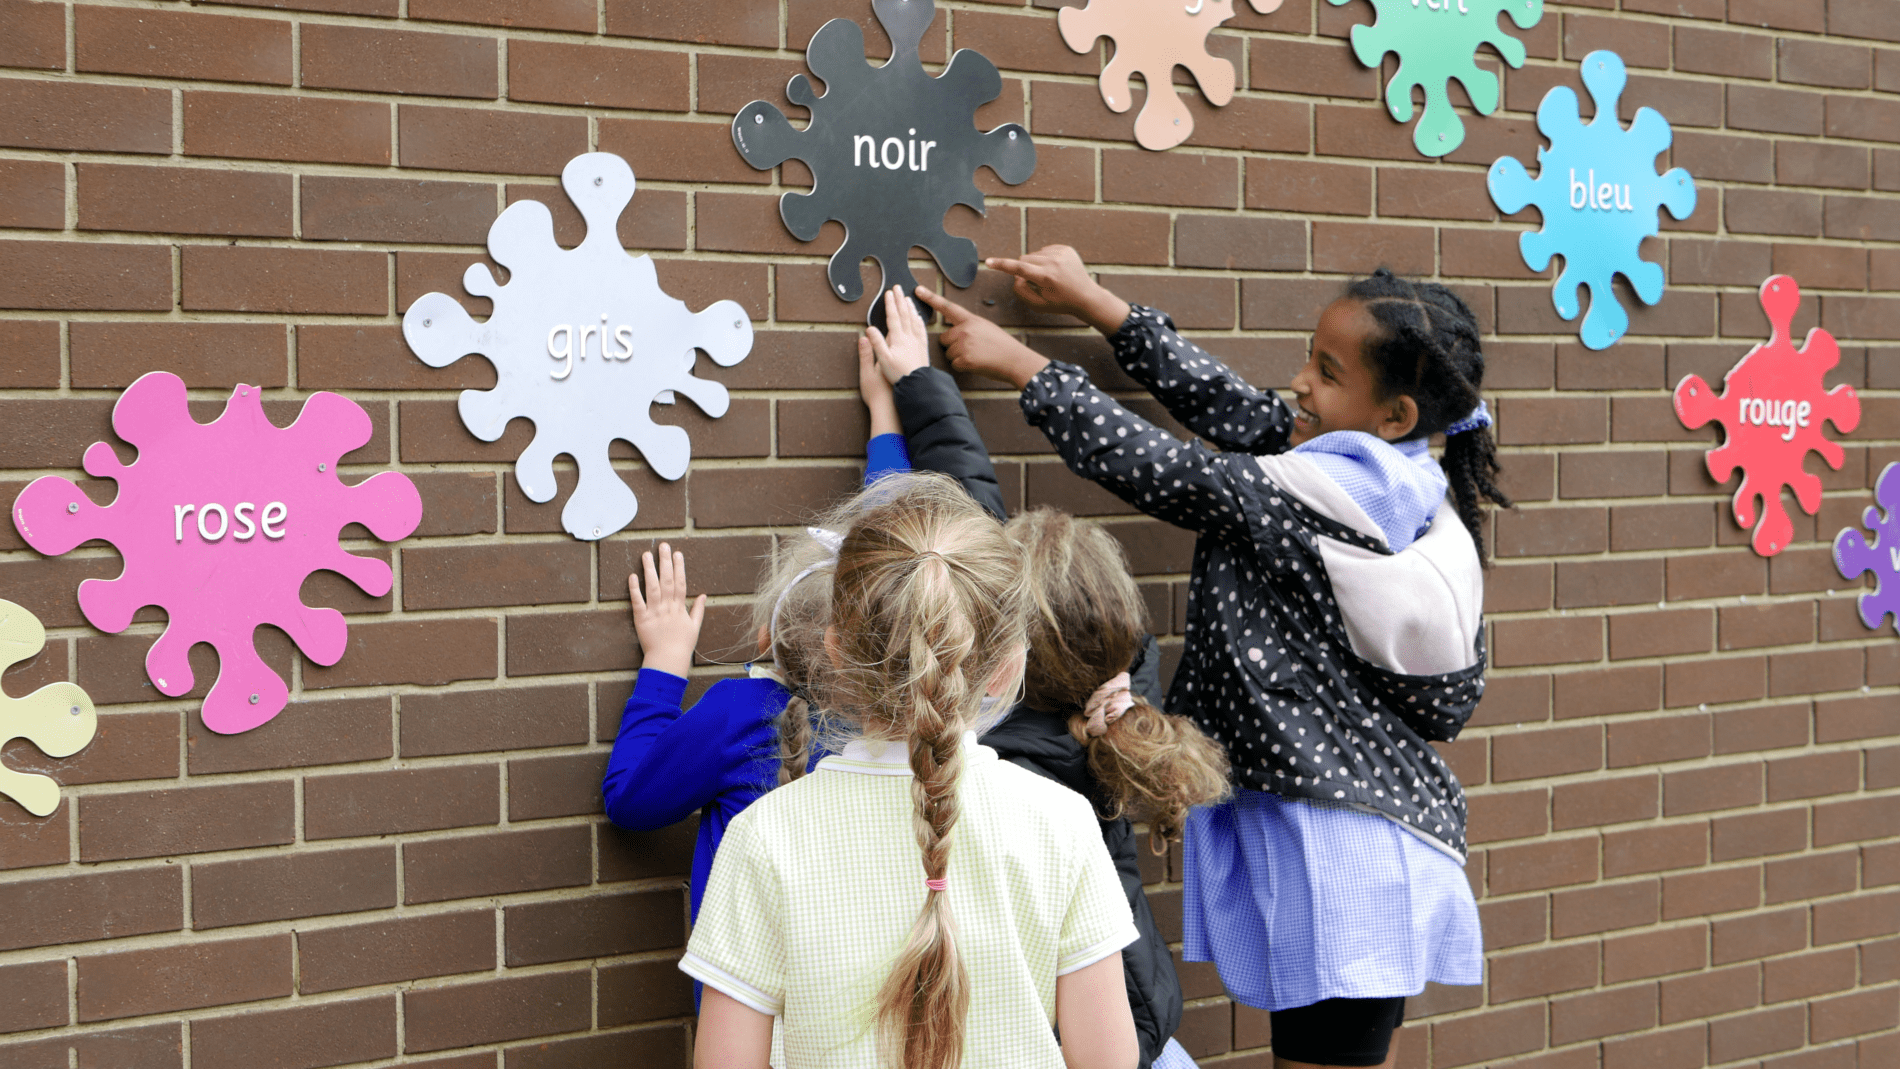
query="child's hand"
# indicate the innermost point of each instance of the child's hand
(1054, 279)
(908, 347)
(876, 390)
(977, 345)
(668, 630)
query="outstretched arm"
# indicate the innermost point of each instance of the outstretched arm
(1200, 391)
(936, 424)
(664, 766)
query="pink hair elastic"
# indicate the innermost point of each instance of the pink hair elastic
(937, 885)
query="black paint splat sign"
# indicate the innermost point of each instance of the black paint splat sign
(890, 148)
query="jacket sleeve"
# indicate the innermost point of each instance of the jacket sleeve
(942, 437)
(1144, 676)
(1197, 389)
(885, 455)
(1185, 483)
(667, 763)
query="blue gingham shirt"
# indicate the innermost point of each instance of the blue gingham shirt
(1398, 484)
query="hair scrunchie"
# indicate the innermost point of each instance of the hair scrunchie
(1108, 703)
(1479, 417)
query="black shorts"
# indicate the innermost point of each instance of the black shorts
(1338, 1031)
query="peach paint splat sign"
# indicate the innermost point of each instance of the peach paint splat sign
(219, 524)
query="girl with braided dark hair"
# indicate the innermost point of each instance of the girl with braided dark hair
(1334, 630)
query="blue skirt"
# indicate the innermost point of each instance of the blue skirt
(1296, 901)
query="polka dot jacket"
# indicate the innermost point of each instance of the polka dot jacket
(1268, 670)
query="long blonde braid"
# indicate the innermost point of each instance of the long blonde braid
(927, 607)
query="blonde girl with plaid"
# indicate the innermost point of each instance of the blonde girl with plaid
(915, 902)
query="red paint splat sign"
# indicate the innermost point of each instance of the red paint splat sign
(1771, 409)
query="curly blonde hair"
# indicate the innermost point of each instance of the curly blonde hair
(1086, 627)
(928, 609)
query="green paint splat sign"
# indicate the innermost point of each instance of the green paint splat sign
(1435, 41)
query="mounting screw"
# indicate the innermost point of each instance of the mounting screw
(598, 179)
(840, 289)
(1012, 134)
(738, 324)
(596, 532)
(758, 118)
(253, 699)
(427, 323)
(323, 467)
(75, 709)
(72, 506)
(1177, 122)
(1441, 137)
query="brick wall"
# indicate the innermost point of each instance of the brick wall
(1685, 825)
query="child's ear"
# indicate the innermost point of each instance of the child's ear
(1400, 419)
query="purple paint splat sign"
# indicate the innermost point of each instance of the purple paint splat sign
(1855, 555)
(220, 523)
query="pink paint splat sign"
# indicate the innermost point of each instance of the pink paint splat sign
(220, 523)
(1771, 409)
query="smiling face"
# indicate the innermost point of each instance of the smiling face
(1337, 390)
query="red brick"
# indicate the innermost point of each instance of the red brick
(1757, 935)
(496, 863)
(181, 44)
(553, 73)
(1700, 790)
(112, 904)
(266, 127)
(425, 652)
(1658, 953)
(410, 799)
(1551, 752)
(1711, 993)
(593, 927)
(35, 998)
(1557, 640)
(1654, 740)
(1855, 1014)
(36, 35)
(487, 720)
(1538, 866)
(1725, 680)
(395, 210)
(112, 355)
(1487, 1036)
(1655, 849)
(487, 141)
(1860, 819)
(661, 1045)
(1696, 894)
(222, 972)
(398, 61)
(74, 116)
(751, 23)
(1516, 815)
(330, 1033)
(178, 200)
(526, 14)
(1757, 1033)
(293, 886)
(563, 786)
(1807, 975)
(77, 276)
(1102, 235)
(1603, 1013)
(1602, 909)
(496, 1010)
(1781, 831)
(32, 194)
(378, 8)
(411, 948)
(224, 278)
(1680, 1048)
(185, 820)
(1601, 802)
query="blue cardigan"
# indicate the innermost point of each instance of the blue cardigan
(718, 756)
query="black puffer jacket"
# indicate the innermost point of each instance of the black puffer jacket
(1040, 742)
(942, 438)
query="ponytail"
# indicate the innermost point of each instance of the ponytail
(927, 608)
(1154, 765)
(1430, 352)
(1087, 628)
